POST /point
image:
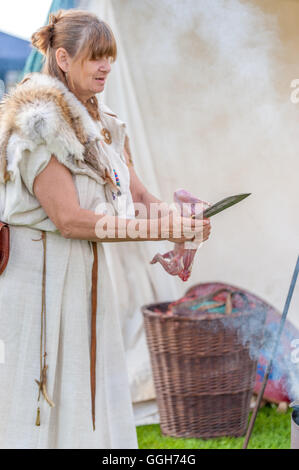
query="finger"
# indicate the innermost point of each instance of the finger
(198, 223)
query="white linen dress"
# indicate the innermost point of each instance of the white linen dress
(68, 315)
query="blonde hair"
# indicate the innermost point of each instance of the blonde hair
(83, 35)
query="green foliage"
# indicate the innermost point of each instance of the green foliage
(271, 431)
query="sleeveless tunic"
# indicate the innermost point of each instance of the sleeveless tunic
(68, 315)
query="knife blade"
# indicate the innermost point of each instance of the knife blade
(222, 205)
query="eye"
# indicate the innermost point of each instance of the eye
(99, 59)
(109, 58)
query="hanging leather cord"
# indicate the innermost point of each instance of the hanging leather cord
(42, 382)
(93, 345)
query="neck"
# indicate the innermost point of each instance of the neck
(83, 98)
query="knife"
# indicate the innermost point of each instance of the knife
(222, 205)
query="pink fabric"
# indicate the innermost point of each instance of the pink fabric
(179, 261)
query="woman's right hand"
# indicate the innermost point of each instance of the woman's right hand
(184, 229)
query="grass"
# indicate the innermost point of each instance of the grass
(271, 431)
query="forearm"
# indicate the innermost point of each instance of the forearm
(86, 225)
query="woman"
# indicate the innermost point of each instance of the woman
(64, 160)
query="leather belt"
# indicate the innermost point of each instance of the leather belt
(4, 245)
(93, 344)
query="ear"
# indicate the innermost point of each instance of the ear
(63, 59)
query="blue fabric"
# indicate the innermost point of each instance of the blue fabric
(34, 62)
(211, 310)
(13, 53)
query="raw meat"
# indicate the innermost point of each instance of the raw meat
(179, 261)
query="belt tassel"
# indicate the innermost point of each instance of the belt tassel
(42, 382)
(43, 366)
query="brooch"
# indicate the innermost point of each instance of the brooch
(107, 135)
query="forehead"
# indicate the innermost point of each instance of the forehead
(99, 43)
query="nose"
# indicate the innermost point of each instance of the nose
(105, 65)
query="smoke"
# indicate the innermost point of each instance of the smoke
(206, 70)
(258, 337)
(284, 368)
(227, 28)
(253, 325)
(208, 76)
(245, 327)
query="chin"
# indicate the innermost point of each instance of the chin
(99, 89)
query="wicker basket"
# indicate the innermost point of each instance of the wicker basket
(203, 370)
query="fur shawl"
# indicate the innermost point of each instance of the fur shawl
(41, 110)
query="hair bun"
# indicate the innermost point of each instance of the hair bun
(42, 38)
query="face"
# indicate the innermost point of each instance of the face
(89, 78)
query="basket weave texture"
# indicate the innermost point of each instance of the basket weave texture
(203, 369)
